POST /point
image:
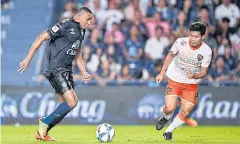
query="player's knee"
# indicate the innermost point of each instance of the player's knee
(73, 103)
(71, 98)
(169, 108)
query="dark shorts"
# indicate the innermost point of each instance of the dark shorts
(61, 82)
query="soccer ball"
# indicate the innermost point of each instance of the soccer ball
(105, 132)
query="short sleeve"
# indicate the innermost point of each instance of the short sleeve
(58, 29)
(175, 47)
(207, 59)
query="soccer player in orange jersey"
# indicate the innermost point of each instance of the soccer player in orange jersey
(185, 65)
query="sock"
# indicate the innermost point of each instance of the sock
(50, 126)
(56, 121)
(58, 114)
(165, 115)
(177, 121)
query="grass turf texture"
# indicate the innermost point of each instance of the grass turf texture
(73, 134)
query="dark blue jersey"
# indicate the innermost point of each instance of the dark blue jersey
(66, 38)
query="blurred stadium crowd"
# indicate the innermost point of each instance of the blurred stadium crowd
(129, 39)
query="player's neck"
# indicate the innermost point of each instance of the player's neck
(194, 47)
(75, 20)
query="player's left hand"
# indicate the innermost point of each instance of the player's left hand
(86, 77)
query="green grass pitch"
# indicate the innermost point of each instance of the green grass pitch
(84, 134)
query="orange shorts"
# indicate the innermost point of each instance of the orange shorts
(187, 92)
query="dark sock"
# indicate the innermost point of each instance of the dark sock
(56, 121)
(57, 115)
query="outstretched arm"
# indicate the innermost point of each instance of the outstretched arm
(166, 63)
(174, 51)
(36, 44)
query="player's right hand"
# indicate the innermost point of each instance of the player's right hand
(86, 77)
(23, 65)
(159, 78)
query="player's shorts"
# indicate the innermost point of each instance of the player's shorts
(187, 92)
(61, 82)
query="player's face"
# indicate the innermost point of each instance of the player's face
(195, 38)
(85, 20)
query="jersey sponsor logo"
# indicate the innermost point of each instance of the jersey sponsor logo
(76, 44)
(187, 64)
(169, 90)
(189, 61)
(72, 31)
(183, 43)
(71, 52)
(199, 57)
(55, 29)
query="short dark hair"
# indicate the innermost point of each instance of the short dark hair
(85, 9)
(198, 26)
(219, 57)
(226, 19)
(159, 27)
(204, 7)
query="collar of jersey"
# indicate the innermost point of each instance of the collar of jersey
(77, 23)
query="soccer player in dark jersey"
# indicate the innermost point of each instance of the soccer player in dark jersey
(64, 47)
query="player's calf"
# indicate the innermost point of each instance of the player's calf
(168, 109)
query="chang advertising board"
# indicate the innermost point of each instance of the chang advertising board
(215, 107)
(35, 104)
(218, 109)
(117, 105)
